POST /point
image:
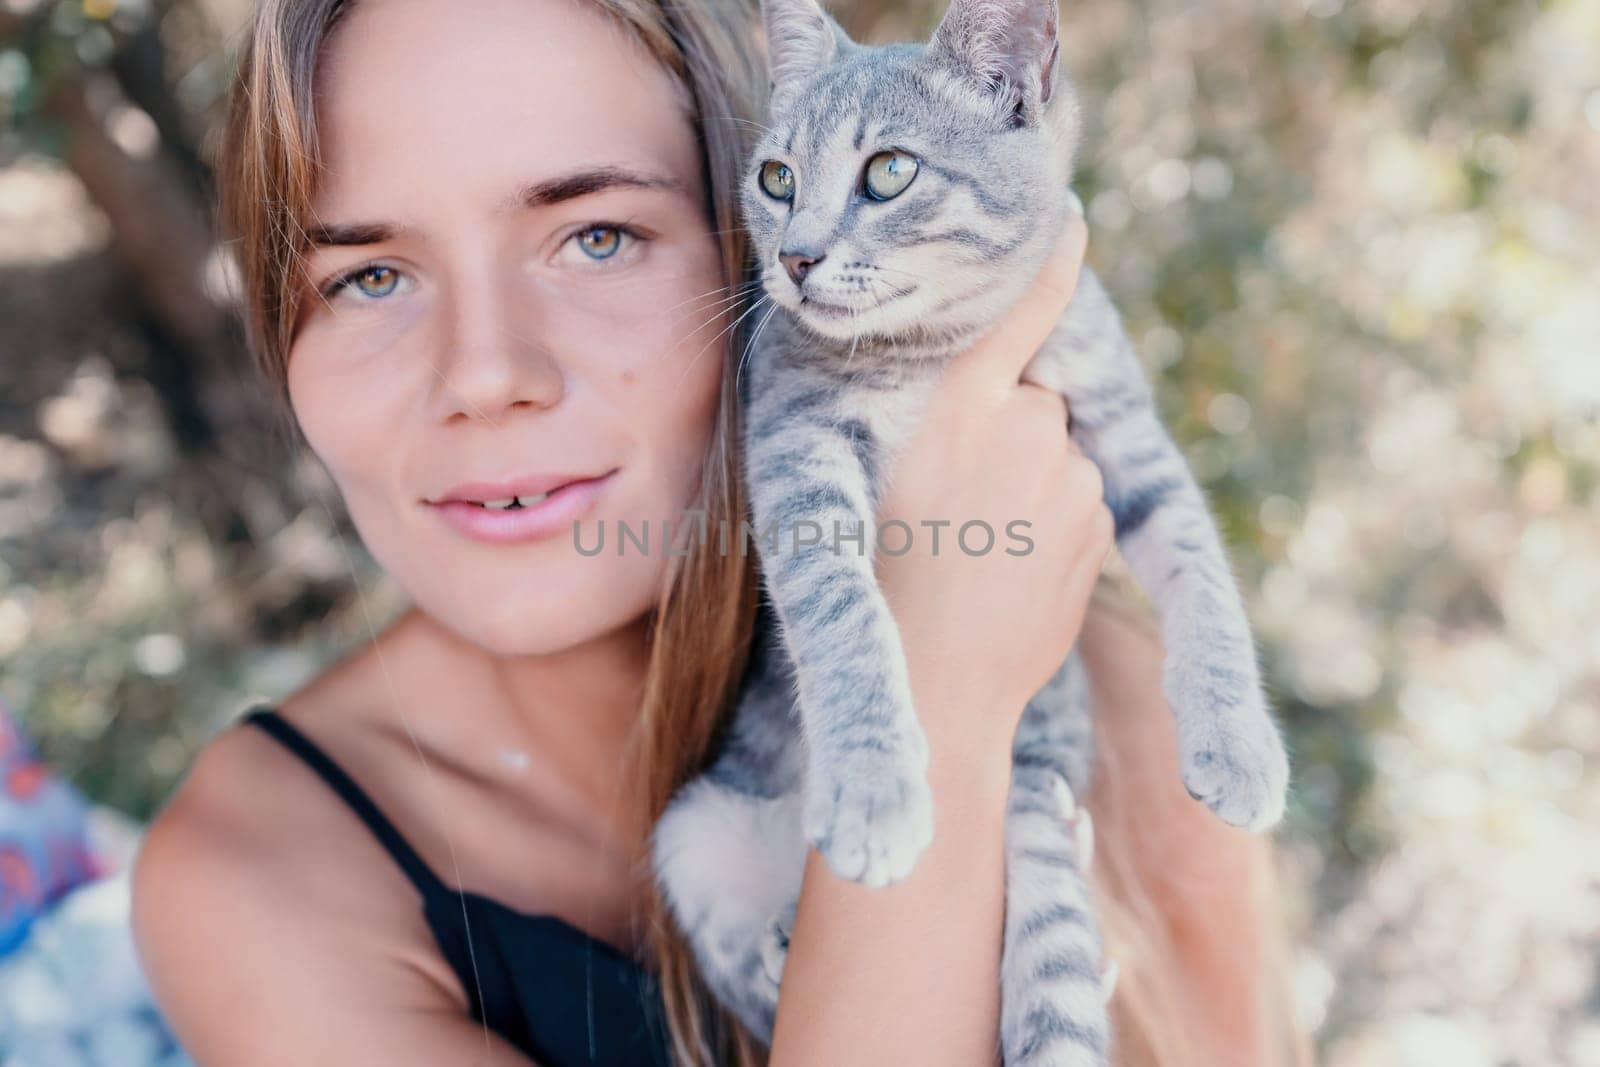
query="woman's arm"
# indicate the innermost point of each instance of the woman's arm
(1212, 965)
(910, 973)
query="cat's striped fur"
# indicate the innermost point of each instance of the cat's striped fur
(826, 748)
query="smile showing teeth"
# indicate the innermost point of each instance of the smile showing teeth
(489, 513)
(512, 503)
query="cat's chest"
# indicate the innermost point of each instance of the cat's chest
(870, 397)
(891, 414)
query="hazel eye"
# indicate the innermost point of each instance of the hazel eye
(888, 174)
(777, 180)
(376, 281)
(600, 242)
(367, 286)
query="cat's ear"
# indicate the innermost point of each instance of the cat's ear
(1010, 46)
(801, 40)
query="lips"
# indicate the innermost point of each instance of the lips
(567, 501)
(532, 485)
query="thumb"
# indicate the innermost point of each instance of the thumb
(1005, 348)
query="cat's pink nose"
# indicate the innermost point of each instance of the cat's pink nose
(798, 264)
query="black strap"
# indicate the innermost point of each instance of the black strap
(420, 873)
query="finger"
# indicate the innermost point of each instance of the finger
(1102, 536)
(1097, 544)
(1088, 479)
(1078, 589)
(1001, 352)
(1032, 401)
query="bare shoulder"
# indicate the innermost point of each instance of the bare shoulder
(260, 901)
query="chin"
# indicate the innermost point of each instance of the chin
(541, 615)
(512, 635)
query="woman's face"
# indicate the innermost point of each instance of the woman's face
(513, 277)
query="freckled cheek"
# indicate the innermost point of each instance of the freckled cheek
(348, 395)
(671, 350)
(663, 382)
(349, 424)
(658, 377)
(677, 407)
(656, 336)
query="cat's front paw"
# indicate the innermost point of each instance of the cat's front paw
(1230, 752)
(870, 818)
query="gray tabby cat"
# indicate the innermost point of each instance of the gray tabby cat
(901, 200)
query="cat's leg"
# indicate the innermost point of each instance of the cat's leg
(1053, 977)
(1231, 753)
(728, 852)
(868, 807)
(1054, 981)
(730, 865)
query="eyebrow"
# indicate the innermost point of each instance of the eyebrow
(539, 194)
(592, 180)
(363, 233)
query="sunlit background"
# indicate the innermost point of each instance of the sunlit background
(1359, 243)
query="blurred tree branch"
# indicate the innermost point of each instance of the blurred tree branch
(140, 66)
(161, 236)
(153, 187)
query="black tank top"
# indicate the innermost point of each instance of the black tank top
(552, 990)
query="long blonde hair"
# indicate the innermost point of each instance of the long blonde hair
(701, 628)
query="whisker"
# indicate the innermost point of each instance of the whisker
(750, 347)
(717, 311)
(720, 334)
(716, 316)
(715, 290)
(710, 320)
(741, 119)
(714, 308)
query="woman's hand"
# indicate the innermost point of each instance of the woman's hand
(982, 633)
(986, 629)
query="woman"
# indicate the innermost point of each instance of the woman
(489, 251)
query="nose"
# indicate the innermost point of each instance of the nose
(799, 264)
(490, 356)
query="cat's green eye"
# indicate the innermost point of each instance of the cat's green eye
(888, 174)
(777, 180)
